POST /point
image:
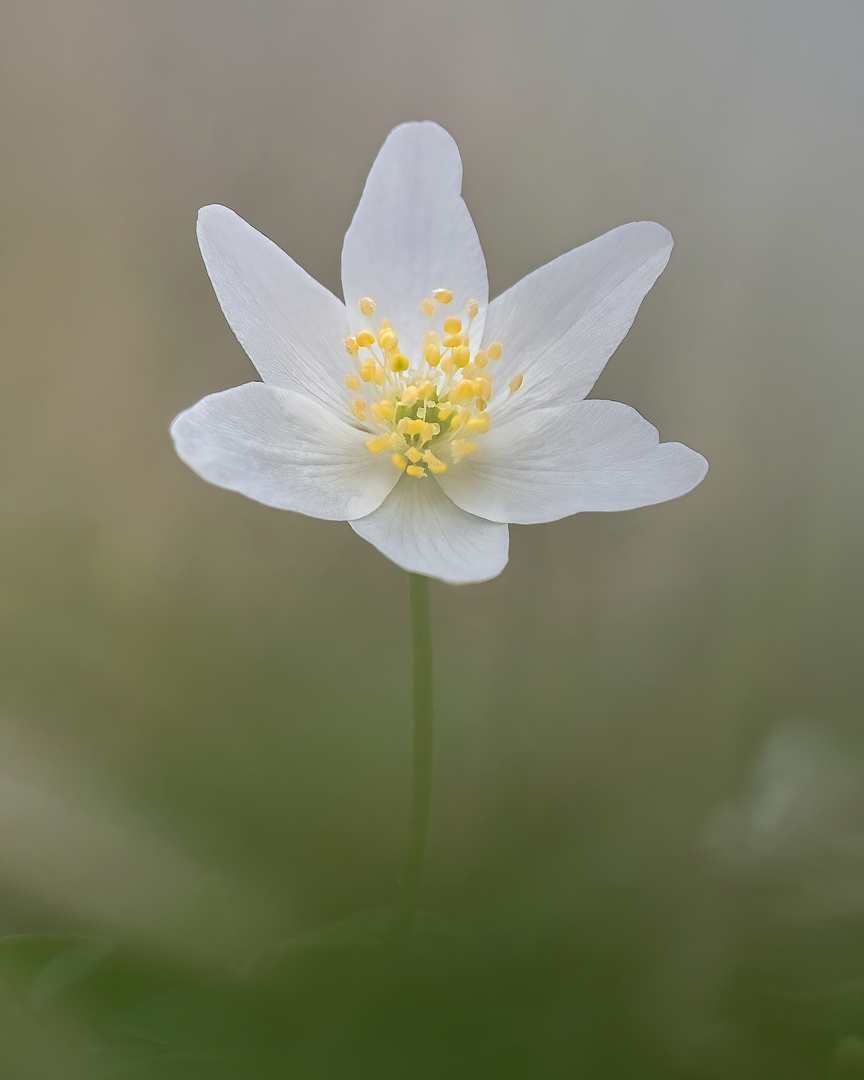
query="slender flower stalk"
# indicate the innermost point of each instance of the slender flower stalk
(405, 904)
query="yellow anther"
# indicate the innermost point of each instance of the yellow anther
(480, 403)
(367, 370)
(461, 447)
(446, 364)
(481, 359)
(479, 425)
(383, 410)
(425, 389)
(351, 345)
(367, 305)
(482, 387)
(433, 463)
(413, 455)
(397, 442)
(461, 356)
(428, 307)
(452, 341)
(409, 396)
(378, 375)
(432, 355)
(358, 407)
(399, 461)
(452, 325)
(375, 446)
(402, 426)
(415, 427)
(428, 432)
(444, 411)
(398, 362)
(464, 391)
(365, 338)
(387, 339)
(443, 296)
(352, 382)
(416, 470)
(472, 307)
(515, 383)
(494, 350)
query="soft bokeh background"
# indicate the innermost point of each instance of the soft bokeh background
(649, 806)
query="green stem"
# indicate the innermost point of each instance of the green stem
(405, 904)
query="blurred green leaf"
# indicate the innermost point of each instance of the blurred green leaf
(182, 1018)
(69, 967)
(367, 928)
(40, 965)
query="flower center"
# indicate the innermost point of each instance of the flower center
(428, 411)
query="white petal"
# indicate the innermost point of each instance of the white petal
(549, 463)
(421, 530)
(285, 450)
(412, 234)
(292, 328)
(559, 325)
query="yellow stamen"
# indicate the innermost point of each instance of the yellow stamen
(358, 407)
(515, 383)
(352, 382)
(416, 470)
(452, 325)
(398, 362)
(383, 410)
(481, 359)
(443, 296)
(367, 305)
(425, 389)
(432, 355)
(351, 345)
(387, 339)
(365, 338)
(428, 307)
(482, 387)
(472, 307)
(494, 350)
(464, 391)
(375, 446)
(461, 447)
(367, 369)
(433, 463)
(410, 396)
(413, 455)
(461, 356)
(399, 461)
(479, 425)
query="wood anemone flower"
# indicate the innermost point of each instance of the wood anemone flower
(418, 411)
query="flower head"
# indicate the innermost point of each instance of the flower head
(418, 411)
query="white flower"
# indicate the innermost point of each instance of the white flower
(417, 411)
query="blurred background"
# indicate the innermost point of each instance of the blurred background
(647, 850)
